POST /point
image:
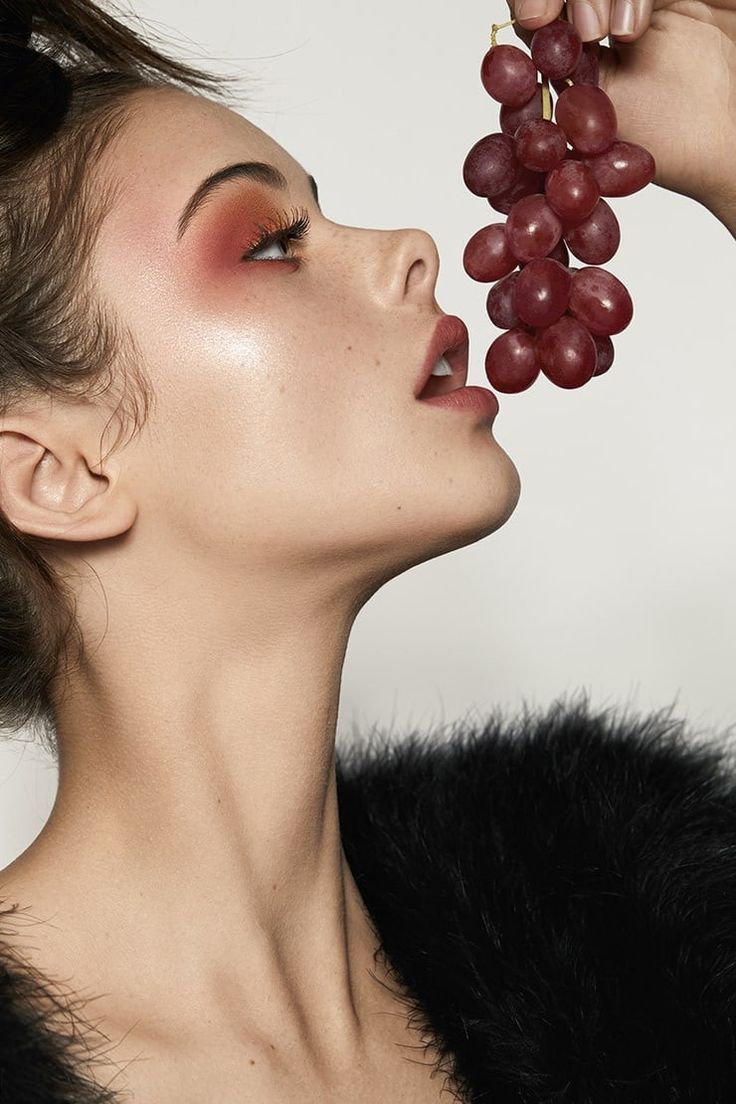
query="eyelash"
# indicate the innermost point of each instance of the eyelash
(291, 226)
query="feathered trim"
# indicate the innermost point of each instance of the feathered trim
(558, 894)
(46, 1056)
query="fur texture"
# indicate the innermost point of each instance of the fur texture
(556, 896)
(559, 894)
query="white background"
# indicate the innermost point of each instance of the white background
(616, 572)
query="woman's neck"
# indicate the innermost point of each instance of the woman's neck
(194, 846)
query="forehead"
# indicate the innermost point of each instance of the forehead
(171, 142)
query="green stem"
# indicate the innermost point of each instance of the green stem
(499, 27)
(546, 99)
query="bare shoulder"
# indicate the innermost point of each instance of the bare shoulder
(231, 1077)
(47, 967)
(82, 996)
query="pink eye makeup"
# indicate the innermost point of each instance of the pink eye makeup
(247, 222)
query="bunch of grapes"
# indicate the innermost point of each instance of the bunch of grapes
(549, 178)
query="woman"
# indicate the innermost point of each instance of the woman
(195, 509)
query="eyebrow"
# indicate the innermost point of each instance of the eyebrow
(241, 170)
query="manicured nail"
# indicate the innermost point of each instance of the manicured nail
(622, 20)
(531, 9)
(586, 20)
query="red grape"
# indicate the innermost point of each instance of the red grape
(556, 49)
(560, 253)
(511, 118)
(548, 178)
(587, 70)
(604, 346)
(540, 144)
(487, 255)
(571, 192)
(527, 183)
(532, 229)
(491, 166)
(622, 169)
(567, 353)
(587, 117)
(542, 292)
(500, 303)
(509, 75)
(597, 239)
(511, 361)
(600, 301)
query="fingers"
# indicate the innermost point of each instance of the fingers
(630, 18)
(624, 19)
(590, 18)
(530, 15)
(521, 32)
(536, 13)
(594, 19)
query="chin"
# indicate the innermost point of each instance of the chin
(509, 481)
(489, 497)
(502, 492)
(456, 511)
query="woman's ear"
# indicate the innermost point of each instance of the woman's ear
(53, 483)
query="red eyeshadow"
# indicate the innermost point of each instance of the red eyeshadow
(228, 228)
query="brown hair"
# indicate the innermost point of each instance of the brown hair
(62, 101)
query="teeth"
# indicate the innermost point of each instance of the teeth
(442, 368)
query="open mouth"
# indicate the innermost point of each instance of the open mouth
(441, 384)
(452, 372)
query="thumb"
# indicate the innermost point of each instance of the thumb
(530, 15)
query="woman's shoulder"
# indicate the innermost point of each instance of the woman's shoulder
(559, 892)
(45, 1052)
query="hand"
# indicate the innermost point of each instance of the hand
(672, 81)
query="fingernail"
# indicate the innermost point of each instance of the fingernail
(530, 9)
(586, 20)
(622, 20)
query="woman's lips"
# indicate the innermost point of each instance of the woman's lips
(450, 339)
(478, 400)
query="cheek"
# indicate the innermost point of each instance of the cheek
(271, 375)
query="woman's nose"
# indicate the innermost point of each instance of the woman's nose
(411, 267)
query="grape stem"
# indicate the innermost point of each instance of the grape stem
(496, 27)
(546, 99)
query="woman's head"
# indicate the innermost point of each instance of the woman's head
(277, 443)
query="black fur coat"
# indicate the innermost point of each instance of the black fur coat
(557, 893)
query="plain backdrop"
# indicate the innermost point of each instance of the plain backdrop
(615, 574)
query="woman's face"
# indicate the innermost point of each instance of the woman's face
(285, 433)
